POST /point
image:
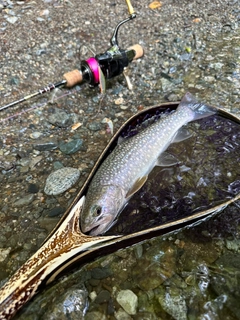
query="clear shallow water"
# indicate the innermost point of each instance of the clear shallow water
(190, 274)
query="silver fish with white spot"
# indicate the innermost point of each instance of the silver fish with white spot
(126, 169)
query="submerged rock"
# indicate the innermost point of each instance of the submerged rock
(71, 305)
(173, 302)
(24, 201)
(128, 301)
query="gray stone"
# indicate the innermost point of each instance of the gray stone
(60, 118)
(103, 296)
(4, 252)
(95, 126)
(45, 145)
(12, 20)
(24, 201)
(72, 146)
(122, 315)
(61, 180)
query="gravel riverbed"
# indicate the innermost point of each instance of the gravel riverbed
(188, 46)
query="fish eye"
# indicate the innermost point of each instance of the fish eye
(96, 210)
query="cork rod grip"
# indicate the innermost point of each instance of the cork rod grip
(138, 49)
(73, 78)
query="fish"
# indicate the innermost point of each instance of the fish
(126, 169)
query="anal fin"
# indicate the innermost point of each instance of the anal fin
(181, 135)
(166, 160)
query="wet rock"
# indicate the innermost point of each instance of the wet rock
(61, 180)
(72, 146)
(128, 301)
(122, 315)
(197, 253)
(173, 302)
(35, 135)
(33, 188)
(34, 161)
(7, 163)
(94, 282)
(100, 273)
(56, 212)
(71, 305)
(60, 118)
(45, 145)
(103, 296)
(24, 201)
(57, 165)
(4, 252)
(166, 84)
(233, 245)
(95, 126)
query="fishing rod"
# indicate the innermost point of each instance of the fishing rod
(97, 69)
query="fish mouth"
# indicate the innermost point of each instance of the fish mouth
(96, 231)
(97, 228)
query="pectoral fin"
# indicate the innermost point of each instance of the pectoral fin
(137, 185)
(166, 160)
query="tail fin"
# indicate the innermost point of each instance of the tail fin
(200, 110)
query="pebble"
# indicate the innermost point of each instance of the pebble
(61, 180)
(56, 212)
(94, 126)
(73, 304)
(128, 301)
(45, 145)
(100, 273)
(57, 165)
(122, 315)
(35, 135)
(24, 201)
(35, 161)
(60, 118)
(174, 304)
(103, 296)
(72, 146)
(12, 20)
(33, 188)
(4, 252)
